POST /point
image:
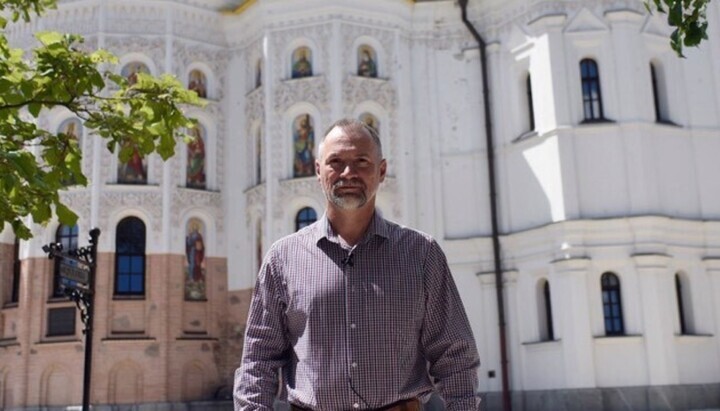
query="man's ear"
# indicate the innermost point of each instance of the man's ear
(317, 168)
(383, 169)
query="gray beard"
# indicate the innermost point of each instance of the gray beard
(345, 201)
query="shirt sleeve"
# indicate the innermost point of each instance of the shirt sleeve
(266, 348)
(447, 339)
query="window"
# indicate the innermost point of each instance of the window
(612, 306)
(682, 291)
(531, 110)
(196, 160)
(592, 96)
(305, 217)
(61, 321)
(68, 237)
(258, 157)
(130, 257)
(547, 332)
(659, 93)
(302, 63)
(15, 294)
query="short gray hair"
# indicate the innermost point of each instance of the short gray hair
(353, 124)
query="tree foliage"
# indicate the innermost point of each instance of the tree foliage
(36, 164)
(688, 17)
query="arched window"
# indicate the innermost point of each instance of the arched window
(592, 95)
(367, 61)
(302, 63)
(196, 159)
(15, 294)
(258, 73)
(131, 70)
(531, 110)
(659, 93)
(258, 157)
(682, 291)
(612, 305)
(197, 82)
(134, 171)
(130, 257)
(547, 332)
(68, 237)
(305, 217)
(303, 146)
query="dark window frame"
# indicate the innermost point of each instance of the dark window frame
(15, 290)
(531, 109)
(590, 80)
(305, 217)
(681, 305)
(612, 304)
(548, 312)
(68, 237)
(61, 322)
(130, 241)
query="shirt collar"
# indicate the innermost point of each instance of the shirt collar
(378, 226)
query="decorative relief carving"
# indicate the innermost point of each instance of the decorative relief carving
(358, 89)
(350, 32)
(254, 107)
(151, 47)
(203, 27)
(146, 198)
(184, 199)
(313, 90)
(318, 33)
(78, 200)
(217, 59)
(124, 17)
(297, 187)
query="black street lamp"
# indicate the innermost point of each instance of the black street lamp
(77, 274)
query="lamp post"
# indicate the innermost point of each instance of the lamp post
(77, 275)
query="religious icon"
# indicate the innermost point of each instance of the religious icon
(195, 260)
(367, 61)
(197, 82)
(258, 73)
(304, 143)
(371, 121)
(131, 71)
(196, 159)
(302, 63)
(135, 170)
(72, 128)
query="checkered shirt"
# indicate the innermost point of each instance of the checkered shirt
(356, 328)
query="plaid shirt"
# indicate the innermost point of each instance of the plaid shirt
(356, 327)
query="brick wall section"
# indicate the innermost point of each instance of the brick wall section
(160, 348)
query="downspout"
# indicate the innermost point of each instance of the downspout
(502, 328)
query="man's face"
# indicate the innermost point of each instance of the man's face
(350, 168)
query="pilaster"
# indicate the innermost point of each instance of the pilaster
(658, 300)
(573, 313)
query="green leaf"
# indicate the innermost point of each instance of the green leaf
(34, 109)
(65, 215)
(48, 38)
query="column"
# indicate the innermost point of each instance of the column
(569, 278)
(658, 300)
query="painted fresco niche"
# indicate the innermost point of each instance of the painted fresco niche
(302, 62)
(371, 121)
(197, 82)
(196, 159)
(131, 70)
(303, 146)
(195, 261)
(367, 61)
(72, 128)
(134, 171)
(258, 73)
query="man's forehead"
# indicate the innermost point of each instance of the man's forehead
(340, 138)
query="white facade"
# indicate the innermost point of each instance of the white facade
(628, 195)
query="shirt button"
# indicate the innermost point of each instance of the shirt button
(356, 405)
(352, 325)
(354, 365)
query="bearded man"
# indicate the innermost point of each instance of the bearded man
(357, 312)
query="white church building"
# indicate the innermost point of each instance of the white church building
(584, 240)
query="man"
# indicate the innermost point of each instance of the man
(360, 313)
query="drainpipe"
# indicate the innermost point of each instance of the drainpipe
(502, 328)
